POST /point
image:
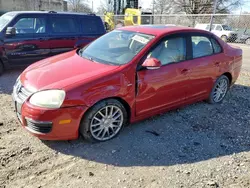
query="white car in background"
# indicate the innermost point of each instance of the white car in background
(223, 31)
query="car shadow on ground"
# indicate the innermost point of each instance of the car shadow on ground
(195, 133)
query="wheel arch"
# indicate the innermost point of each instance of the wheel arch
(3, 66)
(230, 77)
(121, 100)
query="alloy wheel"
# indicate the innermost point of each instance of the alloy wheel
(220, 90)
(106, 123)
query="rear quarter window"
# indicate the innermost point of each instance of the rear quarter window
(216, 46)
(63, 24)
(92, 25)
(201, 46)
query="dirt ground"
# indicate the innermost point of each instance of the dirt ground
(200, 145)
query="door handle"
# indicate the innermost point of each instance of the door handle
(184, 71)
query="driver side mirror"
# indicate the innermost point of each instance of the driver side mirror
(11, 31)
(152, 63)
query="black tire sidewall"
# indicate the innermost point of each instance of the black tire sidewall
(224, 38)
(86, 120)
(1, 68)
(248, 41)
(211, 99)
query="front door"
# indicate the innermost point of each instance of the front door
(30, 43)
(167, 86)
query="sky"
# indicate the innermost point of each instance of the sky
(148, 3)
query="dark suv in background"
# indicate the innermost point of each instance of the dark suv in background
(26, 37)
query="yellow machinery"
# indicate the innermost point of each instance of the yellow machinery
(132, 17)
(125, 13)
(109, 21)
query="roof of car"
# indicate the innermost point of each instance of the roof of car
(50, 12)
(159, 29)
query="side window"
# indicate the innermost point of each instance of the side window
(216, 46)
(201, 46)
(170, 51)
(212, 28)
(218, 28)
(90, 25)
(64, 25)
(29, 25)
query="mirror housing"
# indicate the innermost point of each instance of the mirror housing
(152, 63)
(11, 31)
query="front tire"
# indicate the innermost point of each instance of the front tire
(248, 41)
(103, 121)
(219, 90)
(1, 68)
(224, 38)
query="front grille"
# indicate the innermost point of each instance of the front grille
(20, 92)
(40, 127)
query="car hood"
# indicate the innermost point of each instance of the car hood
(61, 71)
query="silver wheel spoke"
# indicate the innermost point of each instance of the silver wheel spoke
(98, 129)
(109, 119)
(106, 111)
(97, 119)
(99, 133)
(104, 132)
(115, 113)
(101, 114)
(117, 116)
(108, 132)
(113, 125)
(97, 124)
(111, 111)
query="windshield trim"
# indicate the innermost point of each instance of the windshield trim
(11, 14)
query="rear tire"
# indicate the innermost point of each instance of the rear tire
(219, 91)
(1, 68)
(103, 121)
(224, 38)
(248, 41)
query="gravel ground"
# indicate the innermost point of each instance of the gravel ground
(200, 145)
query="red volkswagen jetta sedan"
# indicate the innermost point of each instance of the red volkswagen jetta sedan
(124, 76)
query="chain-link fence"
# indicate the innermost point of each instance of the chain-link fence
(229, 27)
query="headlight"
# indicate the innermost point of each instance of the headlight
(48, 98)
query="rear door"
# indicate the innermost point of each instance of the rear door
(204, 67)
(64, 32)
(91, 28)
(30, 43)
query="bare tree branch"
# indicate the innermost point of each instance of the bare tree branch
(206, 6)
(79, 6)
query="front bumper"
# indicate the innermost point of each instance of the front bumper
(49, 124)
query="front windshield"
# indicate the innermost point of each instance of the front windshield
(5, 19)
(117, 47)
(227, 28)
